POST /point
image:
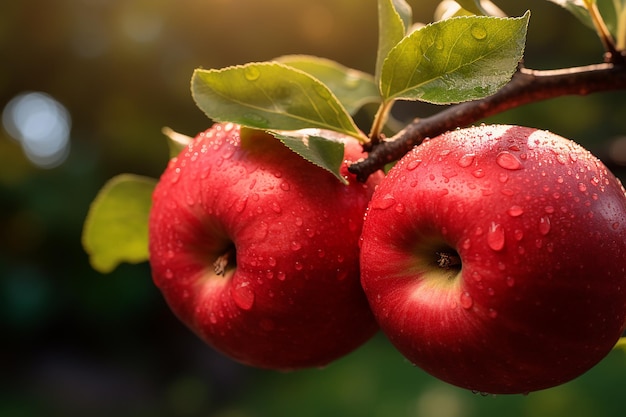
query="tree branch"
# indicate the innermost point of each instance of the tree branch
(526, 86)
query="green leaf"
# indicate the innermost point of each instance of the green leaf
(116, 227)
(394, 19)
(321, 148)
(352, 88)
(270, 95)
(455, 60)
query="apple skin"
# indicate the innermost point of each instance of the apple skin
(287, 294)
(539, 225)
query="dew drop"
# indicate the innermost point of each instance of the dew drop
(510, 282)
(284, 186)
(299, 221)
(492, 313)
(582, 187)
(175, 175)
(169, 274)
(478, 32)
(295, 246)
(271, 261)
(549, 209)
(400, 208)
(212, 318)
(241, 205)
(298, 265)
(252, 73)
(276, 208)
(615, 225)
(515, 211)
(495, 236)
(508, 161)
(243, 296)
(413, 164)
(281, 276)
(384, 203)
(466, 300)
(544, 225)
(466, 160)
(255, 119)
(518, 234)
(479, 173)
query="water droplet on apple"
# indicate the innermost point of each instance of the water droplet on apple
(582, 187)
(299, 221)
(212, 318)
(284, 186)
(466, 160)
(492, 313)
(508, 161)
(510, 282)
(241, 204)
(466, 300)
(549, 209)
(413, 164)
(295, 246)
(169, 274)
(518, 234)
(175, 175)
(479, 173)
(615, 225)
(281, 276)
(271, 261)
(243, 295)
(400, 208)
(298, 265)
(515, 211)
(495, 236)
(544, 225)
(276, 208)
(384, 203)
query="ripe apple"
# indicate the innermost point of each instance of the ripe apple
(256, 249)
(494, 258)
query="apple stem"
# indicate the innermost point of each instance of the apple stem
(447, 260)
(221, 263)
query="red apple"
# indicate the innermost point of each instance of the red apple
(494, 258)
(256, 249)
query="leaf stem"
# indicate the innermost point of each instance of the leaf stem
(380, 119)
(526, 86)
(612, 53)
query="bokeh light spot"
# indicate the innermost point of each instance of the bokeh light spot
(41, 125)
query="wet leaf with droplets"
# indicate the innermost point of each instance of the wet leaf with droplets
(454, 60)
(270, 95)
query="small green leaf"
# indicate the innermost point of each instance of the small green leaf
(176, 141)
(394, 19)
(352, 88)
(116, 227)
(455, 60)
(270, 95)
(316, 146)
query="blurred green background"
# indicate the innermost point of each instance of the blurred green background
(89, 84)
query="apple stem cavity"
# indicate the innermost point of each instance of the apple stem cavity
(221, 263)
(448, 260)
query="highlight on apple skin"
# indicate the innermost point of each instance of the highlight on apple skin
(256, 249)
(494, 258)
